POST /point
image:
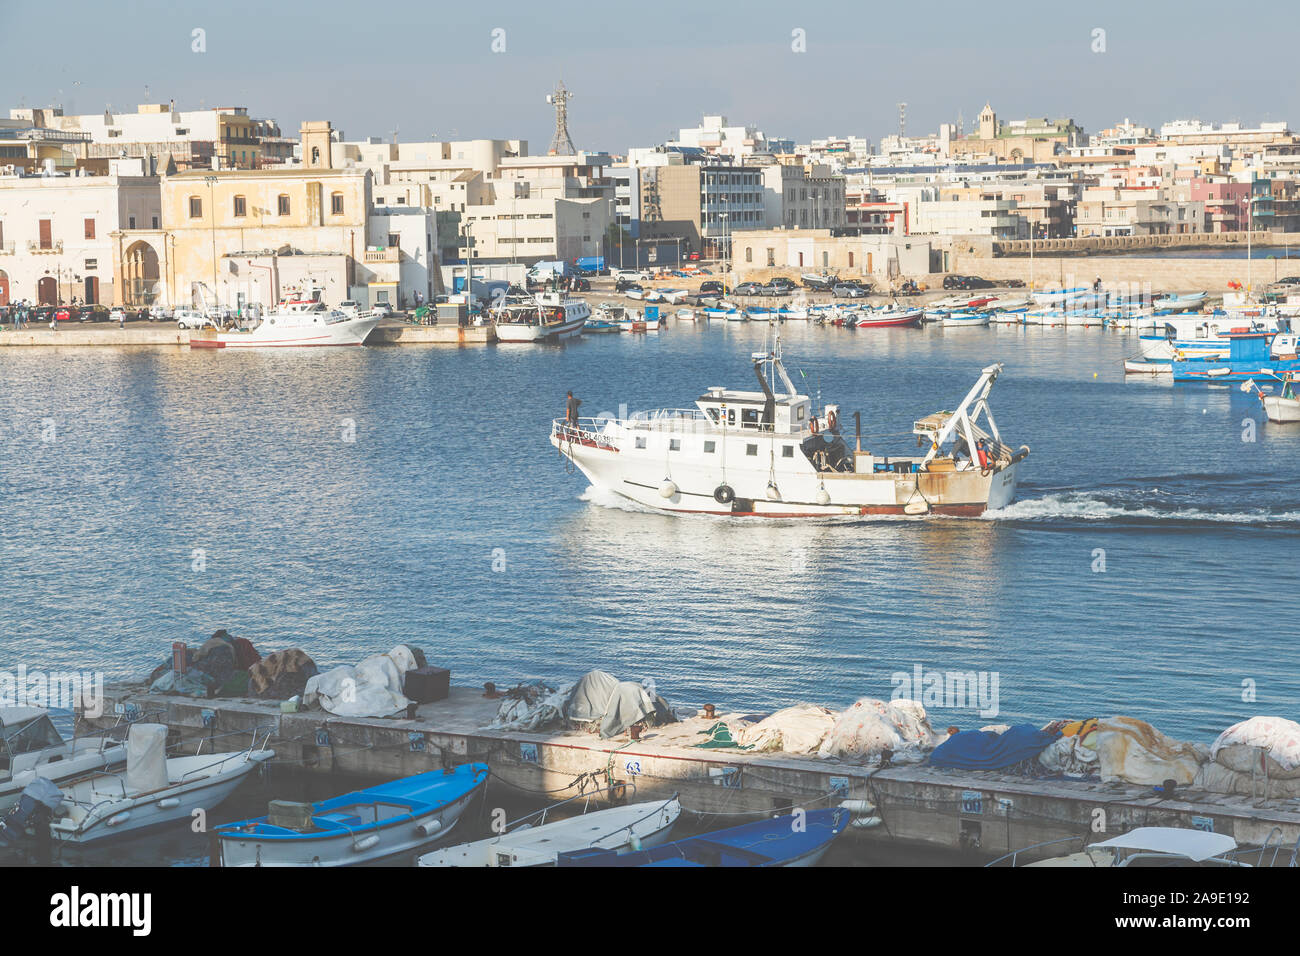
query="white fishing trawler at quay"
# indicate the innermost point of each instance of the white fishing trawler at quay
(549, 317)
(773, 454)
(297, 321)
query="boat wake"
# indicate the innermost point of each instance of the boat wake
(1151, 508)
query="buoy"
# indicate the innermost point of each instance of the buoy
(668, 488)
(773, 492)
(916, 507)
(168, 802)
(366, 843)
(430, 827)
(724, 494)
(823, 496)
(119, 818)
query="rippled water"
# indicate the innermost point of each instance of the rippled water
(348, 547)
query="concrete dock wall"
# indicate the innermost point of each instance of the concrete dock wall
(154, 336)
(1171, 274)
(986, 813)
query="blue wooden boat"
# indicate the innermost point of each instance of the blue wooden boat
(359, 827)
(1249, 358)
(790, 840)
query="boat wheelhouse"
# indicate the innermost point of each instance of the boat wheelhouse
(772, 453)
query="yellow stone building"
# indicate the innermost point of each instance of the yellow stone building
(229, 237)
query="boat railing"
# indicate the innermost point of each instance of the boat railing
(538, 817)
(1012, 858)
(247, 754)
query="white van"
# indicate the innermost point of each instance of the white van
(632, 275)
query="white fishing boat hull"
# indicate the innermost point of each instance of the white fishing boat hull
(965, 320)
(1138, 367)
(101, 807)
(332, 849)
(272, 334)
(512, 332)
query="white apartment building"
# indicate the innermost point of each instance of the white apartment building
(1145, 211)
(57, 232)
(718, 138)
(804, 196)
(995, 218)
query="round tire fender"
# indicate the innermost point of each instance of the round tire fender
(724, 494)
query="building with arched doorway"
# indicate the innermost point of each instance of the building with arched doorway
(57, 230)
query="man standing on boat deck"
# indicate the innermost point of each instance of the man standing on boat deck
(571, 410)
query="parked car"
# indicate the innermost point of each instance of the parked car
(381, 309)
(156, 313)
(119, 315)
(350, 307)
(784, 284)
(966, 282)
(712, 287)
(190, 319)
(749, 288)
(92, 313)
(844, 291)
(631, 275)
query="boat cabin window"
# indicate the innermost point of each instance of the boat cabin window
(750, 418)
(751, 449)
(640, 441)
(674, 444)
(787, 451)
(710, 447)
(34, 735)
(731, 416)
(712, 413)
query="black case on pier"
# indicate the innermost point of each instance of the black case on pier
(424, 685)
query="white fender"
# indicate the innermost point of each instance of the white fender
(366, 843)
(430, 827)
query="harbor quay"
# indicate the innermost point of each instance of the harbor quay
(164, 334)
(981, 814)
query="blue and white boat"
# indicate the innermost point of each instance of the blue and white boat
(798, 839)
(1201, 336)
(1250, 357)
(363, 826)
(964, 320)
(1059, 297)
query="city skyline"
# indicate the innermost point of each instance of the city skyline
(856, 67)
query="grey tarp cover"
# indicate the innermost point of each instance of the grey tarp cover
(616, 704)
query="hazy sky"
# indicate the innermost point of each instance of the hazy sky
(640, 71)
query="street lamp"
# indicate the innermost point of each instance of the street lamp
(212, 219)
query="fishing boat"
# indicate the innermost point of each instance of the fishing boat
(550, 317)
(1249, 357)
(964, 320)
(360, 827)
(686, 315)
(531, 841)
(789, 840)
(1283, 407)
(1185, 302)
(153, 791)
(595, 326)
(31, 746)
(630, 320)
(296, 322)
(1201, 336)
(787, 314)
(770, 453)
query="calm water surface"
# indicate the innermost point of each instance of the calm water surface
(345, 548)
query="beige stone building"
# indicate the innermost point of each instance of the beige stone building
(879, 257)
(1034, 140)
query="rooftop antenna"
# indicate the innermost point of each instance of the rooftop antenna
(562, 144)
(902, 120)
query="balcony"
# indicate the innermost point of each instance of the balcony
(49, 249)
(386, 254)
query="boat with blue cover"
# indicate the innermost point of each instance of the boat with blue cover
(795, 839)
(359, 827)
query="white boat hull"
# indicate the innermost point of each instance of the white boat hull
(1281, 410)
(518, 332)
(644, 825)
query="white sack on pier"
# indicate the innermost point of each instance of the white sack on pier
(371, 689)
(1264, 744)
(1217, 778)
(871, 726)
(1135, 752)
(532, 707)
(794, 730)
(1070, 757)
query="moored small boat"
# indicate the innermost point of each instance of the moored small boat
(533, 842)
(958, 320)
(800, 839)
(363, 826)
(1284, 407)
(154, 789)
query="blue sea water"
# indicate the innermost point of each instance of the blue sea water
(346, 501)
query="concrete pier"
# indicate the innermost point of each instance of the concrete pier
(985, 813)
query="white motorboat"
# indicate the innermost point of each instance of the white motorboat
(154, 789)
(1057, 298)
(1284, 407)
(551, 316)
(965, 320)
(1142, 367)
(764, 453)
(299, 322)
(534, 842)
(1142, 847)
(375, 823)
(31, 746)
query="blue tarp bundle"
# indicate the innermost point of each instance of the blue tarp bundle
(982, 750)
